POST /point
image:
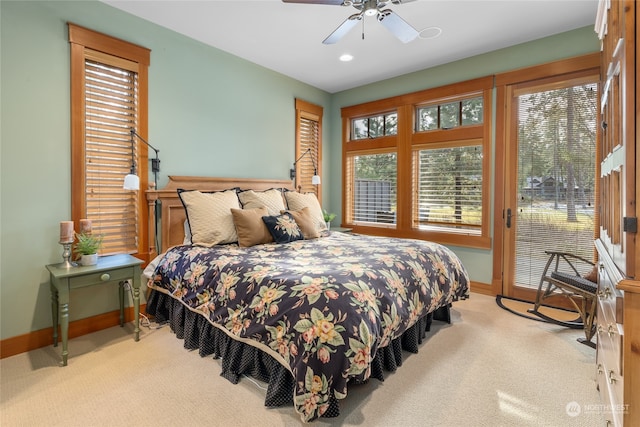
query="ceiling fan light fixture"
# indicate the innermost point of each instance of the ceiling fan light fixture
(392, 22)
(371, 8)
(346, 57)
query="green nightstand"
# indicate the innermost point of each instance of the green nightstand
(109, 269)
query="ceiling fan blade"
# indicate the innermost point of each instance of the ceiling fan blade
(331, 2)
(398, 26)
(343, 29)
(401, 1)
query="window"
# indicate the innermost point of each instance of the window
(466, 112)
(108, 99)
(449, 189)
(374, 126)
(373, 186)
(415, 165)
(308, 137)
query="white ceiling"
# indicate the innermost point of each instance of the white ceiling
(287, 37)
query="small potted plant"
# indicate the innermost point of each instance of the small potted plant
(87, 247)
(328, 217)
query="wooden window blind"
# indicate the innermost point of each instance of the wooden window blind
(308, 137)
(556, 174)
(108, 99)
(110, 111)
(449, 184)
(372, 185)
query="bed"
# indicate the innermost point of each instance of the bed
(309, 312)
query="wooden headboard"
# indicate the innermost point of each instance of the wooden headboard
(172, 214)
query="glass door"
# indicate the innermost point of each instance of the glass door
(551, 185)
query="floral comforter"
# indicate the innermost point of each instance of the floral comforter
(321, 307)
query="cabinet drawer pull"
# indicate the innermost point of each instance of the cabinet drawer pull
(105, 277)
(612, 380)
(600, 370)
(600, 329)
(611, 330)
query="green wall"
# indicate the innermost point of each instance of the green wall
(210, 113)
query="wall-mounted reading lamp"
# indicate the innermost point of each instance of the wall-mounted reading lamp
(132, 181)
(315, 179)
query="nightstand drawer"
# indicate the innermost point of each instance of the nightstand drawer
(101, 277)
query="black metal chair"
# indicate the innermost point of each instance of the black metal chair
(565, 280)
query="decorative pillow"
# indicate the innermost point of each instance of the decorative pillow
(272, 199)
(250, 227)
(306, 223)
(297, 201)
(283, 228)
(209, 216)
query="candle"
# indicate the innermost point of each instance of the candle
(85, 226)
(66, 231)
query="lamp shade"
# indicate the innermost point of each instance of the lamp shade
(131, 182)
(315, 180)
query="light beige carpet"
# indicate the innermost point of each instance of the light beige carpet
(488, 368)
(521, 308)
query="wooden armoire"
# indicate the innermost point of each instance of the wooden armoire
(618, 247)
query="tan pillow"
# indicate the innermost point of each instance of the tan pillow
(209, 216)
(297, 201)
(272, 199)
(250, 227)
(305, 222)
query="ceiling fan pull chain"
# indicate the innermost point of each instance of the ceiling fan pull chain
(363, 27)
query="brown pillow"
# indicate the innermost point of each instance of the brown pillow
(297, 201)
(250, 227)
(305, 222)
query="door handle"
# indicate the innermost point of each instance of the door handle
(509, 218)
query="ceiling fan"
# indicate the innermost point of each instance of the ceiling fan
(389, 19)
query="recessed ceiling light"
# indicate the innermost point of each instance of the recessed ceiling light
(430, 33)
(346, 57)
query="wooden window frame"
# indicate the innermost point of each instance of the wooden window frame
(406, 142)
(309, 111)
(82, 41)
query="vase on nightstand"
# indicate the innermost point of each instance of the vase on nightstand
(89, 259)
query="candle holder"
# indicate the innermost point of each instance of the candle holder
(66, 255)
